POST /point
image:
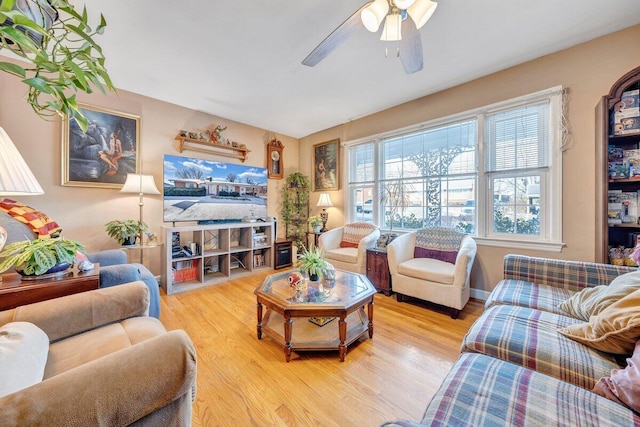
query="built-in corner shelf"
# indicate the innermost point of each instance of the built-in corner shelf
(208, 147)
(221, 252)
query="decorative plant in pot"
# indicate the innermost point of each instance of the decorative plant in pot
(315, 221)
(40, 256)
(57, 42)
(312, 261)
(125, 231)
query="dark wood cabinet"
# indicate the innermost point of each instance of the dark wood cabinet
(378, 270)
(284, 254)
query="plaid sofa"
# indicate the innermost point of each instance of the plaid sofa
(515, 369)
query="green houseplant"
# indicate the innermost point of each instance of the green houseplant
(295, 207)
(39, 256)
(315, 221)
(58, 44)
(125, 231)
(312, 261)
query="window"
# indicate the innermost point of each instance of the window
(430, 174)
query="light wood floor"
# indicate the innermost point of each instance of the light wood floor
(243, 381)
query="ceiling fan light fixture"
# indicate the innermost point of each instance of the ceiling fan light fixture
(403, 4)
(391, 31)
(421, 11)
(373, 14)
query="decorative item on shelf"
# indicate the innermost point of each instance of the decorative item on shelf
(212, 142)
(275, 162)
(16, 178)
(324, 202)
(312, 262)
(40, 257)
(125, 231)
(315, 221)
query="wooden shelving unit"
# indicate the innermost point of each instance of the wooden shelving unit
(208, 147)
(223, 251)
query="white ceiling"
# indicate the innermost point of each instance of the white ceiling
(241, 60)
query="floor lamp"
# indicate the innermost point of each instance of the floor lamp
(324, 202)
(141, 185)
(16, 178)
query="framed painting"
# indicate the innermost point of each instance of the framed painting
(326, 166)
(104, 154)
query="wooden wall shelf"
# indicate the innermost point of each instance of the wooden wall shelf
(203, 146)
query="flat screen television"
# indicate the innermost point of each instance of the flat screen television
(209, 191)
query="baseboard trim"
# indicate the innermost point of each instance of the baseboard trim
(479, 294)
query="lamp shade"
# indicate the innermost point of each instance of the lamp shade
(391, 30)
(373, 14)
(403, 4)
(324, 201)
(421, 11)
(137, 183)
(16, 178)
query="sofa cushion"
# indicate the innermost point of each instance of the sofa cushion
(354, 232)
(530, 338)
(484, 391)
(591, 301)
(429, 269)
(528, 294)
(615, 330)
(439, 243)
(622, 385)
(349, 255)
(88, 346)
(23, 356)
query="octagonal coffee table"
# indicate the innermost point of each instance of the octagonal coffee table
(306, 320)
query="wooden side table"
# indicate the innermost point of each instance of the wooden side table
(378, 270)
(15, 292)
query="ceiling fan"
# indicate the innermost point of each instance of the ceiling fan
(402, 20)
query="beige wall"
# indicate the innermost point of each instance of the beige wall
(83, 211)
(588, 70)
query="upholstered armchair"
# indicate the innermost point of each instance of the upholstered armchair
(346, 247)
(94, 359)
(433, 264)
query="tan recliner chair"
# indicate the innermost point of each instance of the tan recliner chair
(346, 247)
(438, 274)
(102, 362)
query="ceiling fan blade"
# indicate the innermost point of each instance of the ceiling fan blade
(410, 47)
(336, 38)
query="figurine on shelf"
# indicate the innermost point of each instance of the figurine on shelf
(216, 134)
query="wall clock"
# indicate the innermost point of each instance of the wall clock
(275, 164)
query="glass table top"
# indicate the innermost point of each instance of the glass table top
(348, 288)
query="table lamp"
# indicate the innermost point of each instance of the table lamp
(16, 178)
(141, 185)
(324, 202)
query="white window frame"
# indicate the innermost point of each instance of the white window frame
(550, 238)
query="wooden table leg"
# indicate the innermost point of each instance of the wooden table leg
(288, 322)
(370, 312)
(259, 307)
(342, 331)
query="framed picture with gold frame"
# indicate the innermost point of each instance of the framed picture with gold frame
(275, 162)
(326, 166)
(104, 154)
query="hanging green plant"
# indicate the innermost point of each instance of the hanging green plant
(59, 45)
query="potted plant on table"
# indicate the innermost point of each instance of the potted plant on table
(312, 261)
(315, 221)
(125, 231)
(40, 256)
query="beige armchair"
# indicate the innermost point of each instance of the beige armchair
(103, 362)
(445, 282)
(346, 247)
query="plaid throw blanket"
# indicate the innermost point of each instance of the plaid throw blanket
(438, 243)
(41, 225)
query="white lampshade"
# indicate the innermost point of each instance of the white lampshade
(421, 11)
(373, 14)
(324, 201)
(136, 183)
(391, 31)
(403, 4)
(16, 178)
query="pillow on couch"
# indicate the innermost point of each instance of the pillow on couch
(23, 355)
(615, 330)
(354, 232)
(591, 301)
(622, 385)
